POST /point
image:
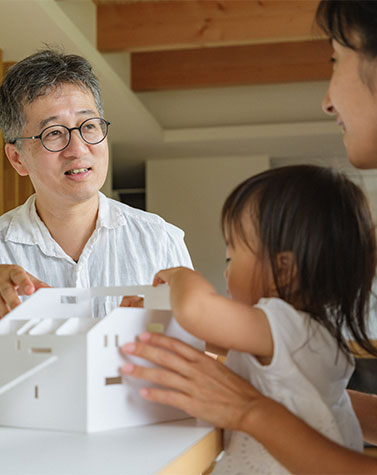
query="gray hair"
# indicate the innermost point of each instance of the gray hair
(36, 76)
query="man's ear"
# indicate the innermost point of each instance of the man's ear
(14, 156)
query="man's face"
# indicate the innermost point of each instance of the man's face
(73, 175)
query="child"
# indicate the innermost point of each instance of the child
(301, 259)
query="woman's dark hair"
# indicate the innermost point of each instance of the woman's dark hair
(341, 19)
(324, 220)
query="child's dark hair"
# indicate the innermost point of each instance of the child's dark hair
(324, 220)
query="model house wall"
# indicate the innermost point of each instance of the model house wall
(62, 368)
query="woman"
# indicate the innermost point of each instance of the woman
(207, 389)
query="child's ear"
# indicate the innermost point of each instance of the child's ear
(287, 269)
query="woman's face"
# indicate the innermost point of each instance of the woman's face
(352, 97)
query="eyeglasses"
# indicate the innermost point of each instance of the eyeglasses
(56, 138)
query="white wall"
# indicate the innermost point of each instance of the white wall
(190, 193)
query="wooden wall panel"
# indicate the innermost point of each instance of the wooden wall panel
(25, 189)
(14, 189)
(231, 65)
(10, 186)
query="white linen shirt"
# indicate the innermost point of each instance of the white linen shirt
(127, 247)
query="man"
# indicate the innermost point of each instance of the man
(68, 234)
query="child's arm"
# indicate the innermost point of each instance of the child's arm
(216, 319)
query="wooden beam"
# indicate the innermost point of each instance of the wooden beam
(169, 24)
(231, 66)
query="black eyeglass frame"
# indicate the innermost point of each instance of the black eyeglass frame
(69, 134)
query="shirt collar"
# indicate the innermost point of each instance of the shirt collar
(109, 215)
(26, 227)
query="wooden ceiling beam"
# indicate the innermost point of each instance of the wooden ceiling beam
(231, 66)
(175, 24)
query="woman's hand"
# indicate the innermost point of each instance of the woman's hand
(205, 388)
(193, 381)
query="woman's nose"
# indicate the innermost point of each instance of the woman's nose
(327, 105)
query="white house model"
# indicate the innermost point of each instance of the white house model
(60, 367)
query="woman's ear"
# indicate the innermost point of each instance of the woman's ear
(14, 156)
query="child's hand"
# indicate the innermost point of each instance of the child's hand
(166, 275)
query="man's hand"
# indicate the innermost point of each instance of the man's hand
(15, 281)
(132, 301)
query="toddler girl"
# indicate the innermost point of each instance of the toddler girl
(300, 263)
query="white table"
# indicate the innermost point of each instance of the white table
(184, 447)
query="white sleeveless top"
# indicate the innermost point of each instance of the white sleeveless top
(307, 374)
